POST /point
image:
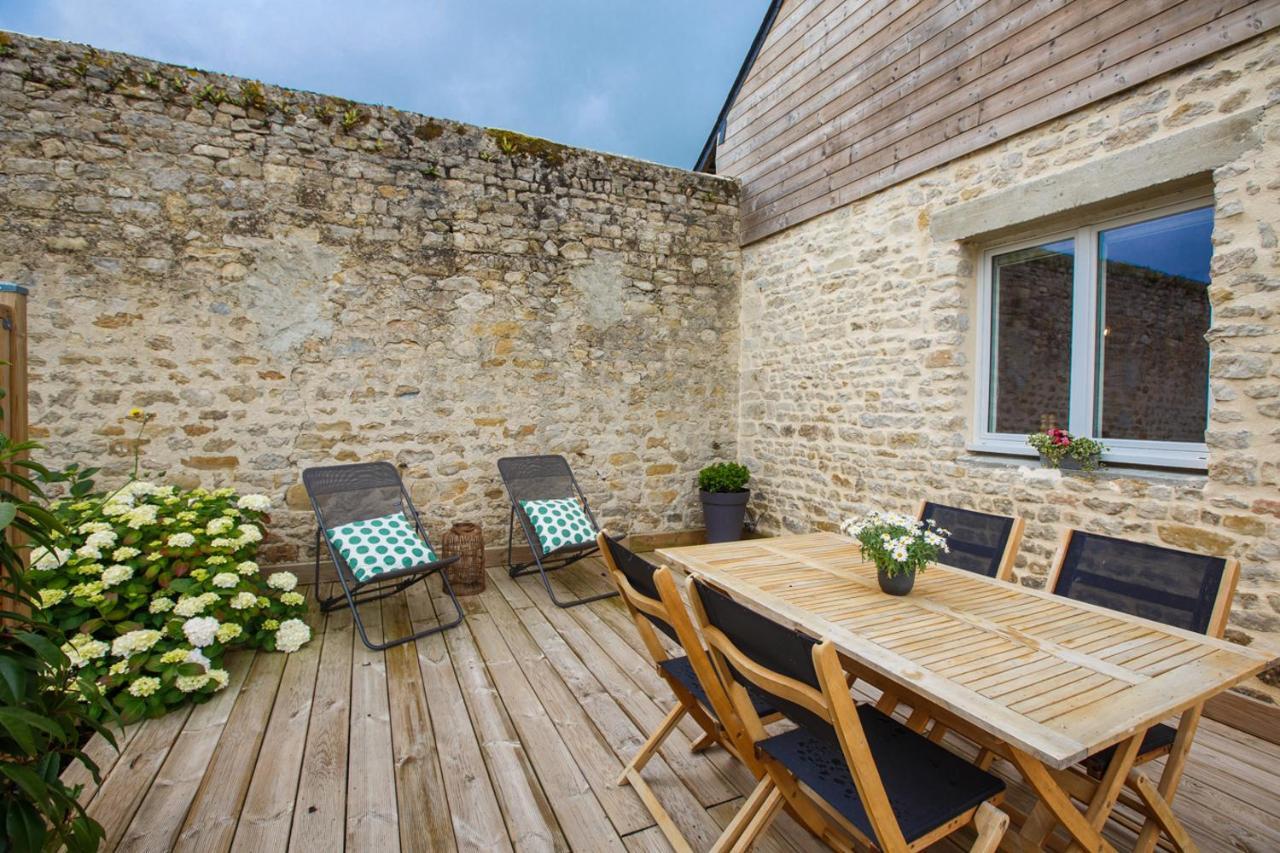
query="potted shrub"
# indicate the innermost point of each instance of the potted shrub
(1060, 449)
(899, 545)
(724, 500)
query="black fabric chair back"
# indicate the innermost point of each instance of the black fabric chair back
(539, 478)
(342, 494)
(639, 573)
(977, 539)
(1175, 587)
(772, 646)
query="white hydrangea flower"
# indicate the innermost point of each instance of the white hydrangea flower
(256, 503)
(228, 631)
(93, 527)
(144, 686)
(134, 642)
(50, 597)
(82, 648)
(88, 552)
(248, 567)
(160, 605)
(175, 656)
(220, 677)
(141, 516)
(116, 575)
(43, 560)
(189, 605)
(123, 553)
(113, 508)
(92, 590)
(225, 580)
(191, 683)
(200, 631)
(224, 542)
(120, 667)
(293, 599)
(243, 600)
(139, 487)
(250, 533)
(218, 526)
(292, 635)
(101, 539)
(181, 540)
(284, 581)
(197, 656)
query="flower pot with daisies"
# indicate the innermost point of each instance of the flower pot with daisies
(724, 493)
(1060, 449)
(900, 546)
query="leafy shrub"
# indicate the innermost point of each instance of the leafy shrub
(46, 703)
(157, 584)
(1057, 444)
(723, 477)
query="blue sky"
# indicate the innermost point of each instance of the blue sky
(644, 78)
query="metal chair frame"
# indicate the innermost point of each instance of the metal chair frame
(355, 591)
(566, 556)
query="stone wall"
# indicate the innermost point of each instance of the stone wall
(859, 345)
(286, 280)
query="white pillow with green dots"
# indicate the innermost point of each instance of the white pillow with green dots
(559, 523)
(379, 545)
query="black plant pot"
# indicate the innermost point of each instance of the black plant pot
(899, 584)
(724, 513)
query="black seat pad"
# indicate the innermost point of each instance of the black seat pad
(682, 671)
(926, 784)
(1157, 737)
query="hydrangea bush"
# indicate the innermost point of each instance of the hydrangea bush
(154, 585)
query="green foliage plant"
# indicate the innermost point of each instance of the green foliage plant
(896, 543)
(1058, 444)
(724, 477)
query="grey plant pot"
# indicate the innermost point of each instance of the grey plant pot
(899, 584)
(1069, 463)
(724, 513)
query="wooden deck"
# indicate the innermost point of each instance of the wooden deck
(506, 732)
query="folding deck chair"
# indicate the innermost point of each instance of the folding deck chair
(370, 492)
(1179, 588)
(854, 776)
(538, 478)
(653, 600)
(979, 542)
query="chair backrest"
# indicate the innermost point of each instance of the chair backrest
(536, 478)
(634, 577)
(342, 494)
(805, 681)
(979, 542)
(1178, 588)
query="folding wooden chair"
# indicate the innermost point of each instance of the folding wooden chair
(532, 478)
(344, 494)
(979, 542)
(854, 775)
(1179, 588)
(651, 597)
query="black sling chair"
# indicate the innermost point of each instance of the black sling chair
(535, 478)
(342, 494)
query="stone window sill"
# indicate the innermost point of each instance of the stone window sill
(1031, 470)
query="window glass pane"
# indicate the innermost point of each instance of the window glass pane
(1153, 313)
(1031, 338)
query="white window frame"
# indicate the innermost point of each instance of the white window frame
(1084, 325)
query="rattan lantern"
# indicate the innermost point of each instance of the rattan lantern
(466, 540)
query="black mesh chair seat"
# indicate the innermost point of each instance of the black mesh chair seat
(536, 478)
(1156, 739)
(927, 785)
(681, 670)
(977, 540)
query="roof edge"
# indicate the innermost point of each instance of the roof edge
(708, 149)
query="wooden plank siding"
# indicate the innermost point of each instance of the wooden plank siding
(848, 97)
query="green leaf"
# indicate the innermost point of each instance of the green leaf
(24, 827)
(8, 512)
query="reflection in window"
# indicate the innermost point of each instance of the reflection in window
(1031, 338)
(1153, 313)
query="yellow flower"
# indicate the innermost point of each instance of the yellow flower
(135, 413)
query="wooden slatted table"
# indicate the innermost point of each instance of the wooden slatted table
(1046, 680)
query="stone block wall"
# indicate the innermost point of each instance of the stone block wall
(859, 346)
(285, 279)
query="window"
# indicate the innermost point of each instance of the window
(1101, 331)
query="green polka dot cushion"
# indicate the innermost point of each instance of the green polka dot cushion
(379, 545)
(559, 523)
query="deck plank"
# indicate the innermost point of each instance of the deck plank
(319, 817)
(372, 814)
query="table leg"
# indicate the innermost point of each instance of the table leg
(1055, 805)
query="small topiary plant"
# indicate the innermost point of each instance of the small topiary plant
(724, 477)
